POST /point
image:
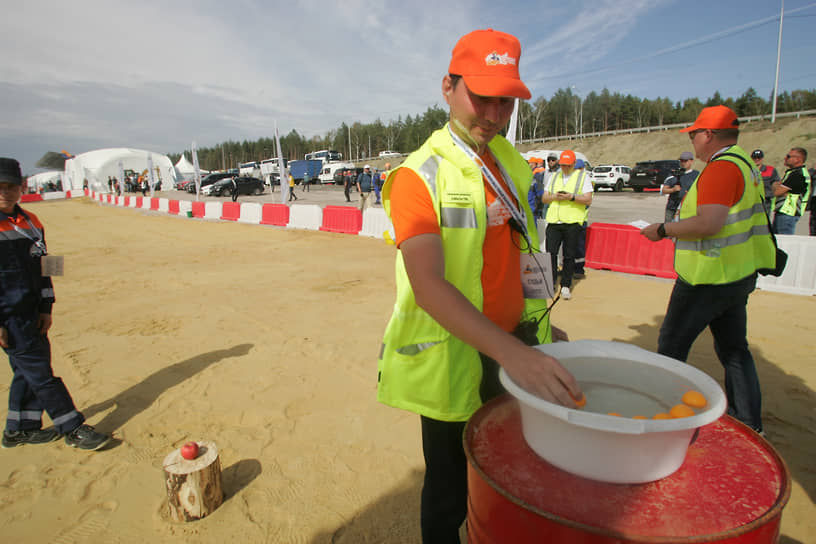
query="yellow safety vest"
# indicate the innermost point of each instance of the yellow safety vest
(741, 247)
(567, 211)
(422, 367)
(793, 204)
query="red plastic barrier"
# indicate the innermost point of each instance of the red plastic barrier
(154, 203)
(31, 198)
(231, 211)
(127, 202)
(623, 249)
(198, 209)
(344, 219)
(275, 214)
(109, 198)
(173, 207)
(139, 202)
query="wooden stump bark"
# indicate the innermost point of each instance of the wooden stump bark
(193, 486)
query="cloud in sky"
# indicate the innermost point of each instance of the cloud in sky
(158, 75)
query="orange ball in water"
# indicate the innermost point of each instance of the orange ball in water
(681, 410)
(614, 414)
(661, 415)
(639, 417)
(695, 399)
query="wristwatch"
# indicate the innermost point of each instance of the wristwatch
(661, 230)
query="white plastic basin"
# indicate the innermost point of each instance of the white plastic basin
(628, 380)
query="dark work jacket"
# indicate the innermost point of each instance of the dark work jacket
(23, 288)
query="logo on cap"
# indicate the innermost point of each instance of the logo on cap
(492, 59)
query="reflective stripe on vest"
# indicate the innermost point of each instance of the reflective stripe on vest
(742, 245)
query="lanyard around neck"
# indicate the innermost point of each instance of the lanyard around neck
(515, 210)
(38, 240)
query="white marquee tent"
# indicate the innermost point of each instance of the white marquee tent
(96, 166)
(42, 179)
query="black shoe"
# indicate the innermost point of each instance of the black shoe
(85, 437)
(18, 438)
(579, 275)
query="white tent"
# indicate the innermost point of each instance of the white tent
(96, 166)
(185, 169)
(35, 182)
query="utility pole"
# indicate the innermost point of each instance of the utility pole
(778, 55)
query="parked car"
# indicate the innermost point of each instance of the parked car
(247, 185)
(209, 179)
(651, 174)
(614, 176)
(389, 154)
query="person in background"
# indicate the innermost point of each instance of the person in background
(234, 189)
(292, 195)
(454, 204)
(580, 254)
(379, 181)
(307, 180)
(812, 203)
(769, 177)
(791, 193)
(722, 240)
(348, 183)
(536, 188)
(676, 186)
(365, 183)
(26, 300)
(568, 194)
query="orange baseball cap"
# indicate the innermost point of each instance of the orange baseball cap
(488, 61)
(567, 157)
(714, 118)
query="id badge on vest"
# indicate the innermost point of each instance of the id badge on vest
(536, 275)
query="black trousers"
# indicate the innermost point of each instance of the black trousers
(567, 234)
(444, 491)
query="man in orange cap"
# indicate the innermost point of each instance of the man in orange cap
(465, 233)
(723, 240)
(568, 194)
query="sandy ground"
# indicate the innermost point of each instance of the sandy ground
(264, 340)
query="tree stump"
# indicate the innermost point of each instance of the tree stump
(193, 486)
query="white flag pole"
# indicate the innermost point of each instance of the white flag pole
(284, 177)
(121, 177)
(196, 172)
(511, 130)
(150, 179)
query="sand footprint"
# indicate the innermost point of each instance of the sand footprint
(92, 523)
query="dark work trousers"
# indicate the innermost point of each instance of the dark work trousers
(563, 235)
(723, 310)
(812, 224)
(444, 491)
(346, 189)
(34, 387)
(580, 253)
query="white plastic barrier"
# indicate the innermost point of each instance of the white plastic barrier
(212, 210)
(146, 203)
(799, 277)
(53, 196)
(185, 206)
(375, 222)
(164, 205)
(305, 216)
(119, 200)
(250, 213)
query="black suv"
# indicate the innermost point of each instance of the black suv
(210, 179)
(651, 174)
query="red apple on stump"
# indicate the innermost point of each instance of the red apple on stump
(189, 450)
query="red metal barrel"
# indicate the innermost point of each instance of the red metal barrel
(731, 489)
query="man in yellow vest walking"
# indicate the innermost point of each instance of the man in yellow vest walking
(723, 239)
(466, 238)
(568, 194)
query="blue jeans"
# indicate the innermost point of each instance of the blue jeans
(34, 387)
(721, 308)
(784, 224)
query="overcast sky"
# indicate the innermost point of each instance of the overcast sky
(153, 75)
